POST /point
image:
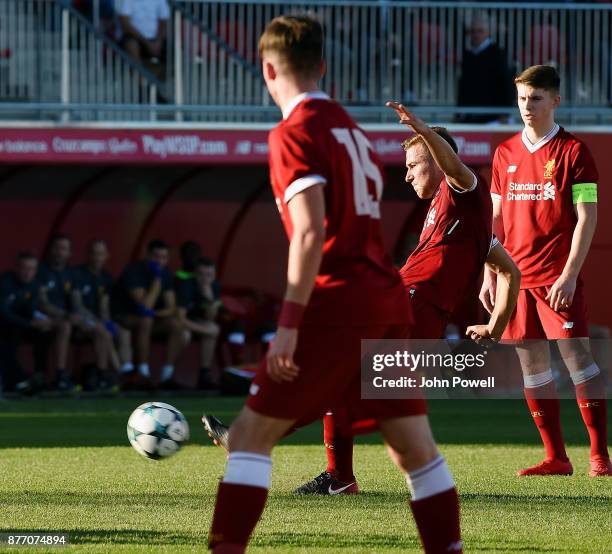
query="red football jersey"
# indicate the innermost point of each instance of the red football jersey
(453, 246)
(537, 185)
(318, 144)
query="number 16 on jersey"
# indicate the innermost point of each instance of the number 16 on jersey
(358, 148)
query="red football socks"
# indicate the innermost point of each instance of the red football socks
(232, 527)
(339, 449)
(437, 518)
(543, 403)
(591, 400)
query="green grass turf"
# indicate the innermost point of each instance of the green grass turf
(65, 465)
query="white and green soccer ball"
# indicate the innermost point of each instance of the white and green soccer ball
(157, 430)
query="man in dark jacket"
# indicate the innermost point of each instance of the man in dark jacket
(485, 78)
(22, 318)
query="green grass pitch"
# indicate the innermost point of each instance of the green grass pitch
(66, 465)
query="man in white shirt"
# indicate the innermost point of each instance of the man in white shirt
(143, 23)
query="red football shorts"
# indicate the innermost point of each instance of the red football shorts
(428, 321)
(329, 359)
(535, 319)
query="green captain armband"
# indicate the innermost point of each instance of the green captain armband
(584, 192)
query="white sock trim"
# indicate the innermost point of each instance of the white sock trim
(583, 375)
(247, 468)
(538, 379)
(429, 480)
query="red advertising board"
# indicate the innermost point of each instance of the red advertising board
(170, 146)
(47, 145)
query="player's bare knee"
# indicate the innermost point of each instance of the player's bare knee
(576, 354)
(413, 457)
(252, 432)
(245, 436)
(409, 441)
(579, 362)
(534, 357)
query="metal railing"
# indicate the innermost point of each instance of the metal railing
(215, 60)
(30, 48)
(50, 54)
(375, 50)
(413, 50)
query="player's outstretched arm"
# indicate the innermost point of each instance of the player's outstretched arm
(307, 211)
(458, 174)
(508, 285)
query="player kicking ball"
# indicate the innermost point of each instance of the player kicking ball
(544, 189)
(454, 244)
(341, 287)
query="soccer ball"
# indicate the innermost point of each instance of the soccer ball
(157, 430)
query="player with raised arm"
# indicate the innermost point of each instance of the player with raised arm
(544, 189)
(341, 287)
(454, 244)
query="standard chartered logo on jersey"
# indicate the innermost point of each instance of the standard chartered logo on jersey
(531, 191)
(549, 191)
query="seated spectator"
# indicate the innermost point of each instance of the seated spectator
(145, 303)
(198, 307)
(91, 299)
(144, 23)
(485, 78)
(190, 253)
(21, 319)
(56, 281)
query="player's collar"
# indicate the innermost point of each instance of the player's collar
(299, 98)
(545, 139)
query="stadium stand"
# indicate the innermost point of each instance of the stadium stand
(113, 148)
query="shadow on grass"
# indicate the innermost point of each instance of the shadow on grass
(374, 498)
(338, 540)
(380, 540)
(101, 422)
(367, 500)
(103, 500)
(537, 499)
